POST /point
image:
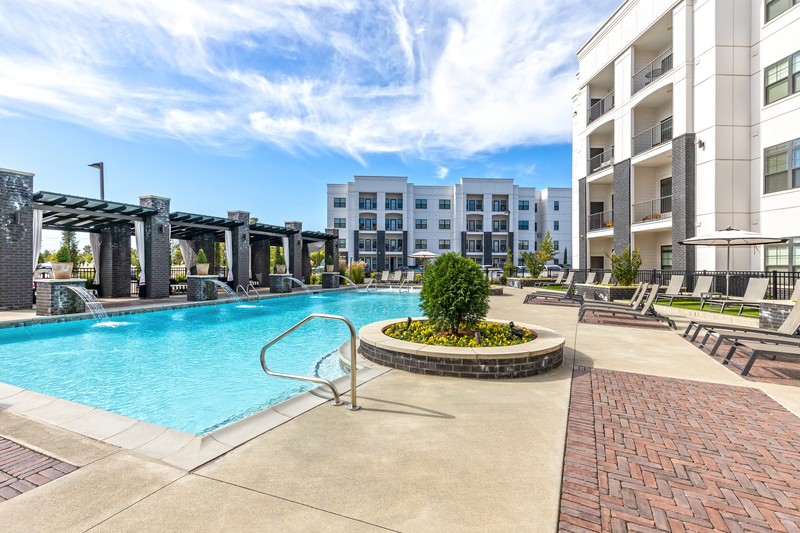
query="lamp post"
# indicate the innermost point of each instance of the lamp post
(102, 190)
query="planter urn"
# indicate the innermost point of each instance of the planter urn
(62, 270)
(280, 269)
(202, 269)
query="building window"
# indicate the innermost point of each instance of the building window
(475, 205)
(421, 223)
(342, 243)
(521, 262)
(782, 78)
(555, 225)
(784, 257)
(776, 7)
(524, 245)
(555, 205)
(444, 204)
(339, 202)
(444, 224)
(524, 205)
(422, 204)
(782, 167)
(555, 245)
(444, 244)
(523, 224)
(420, 244)
(474, 225)
(339, 222)
(368, 203)
(666, 257)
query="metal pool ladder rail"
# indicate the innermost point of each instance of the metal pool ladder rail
(322, 381)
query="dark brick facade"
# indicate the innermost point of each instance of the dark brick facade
(381, 255)
(157, 247)
(259, 251)
(622, 205)
(294, 263)
(115, 261)
(280, 283)
(330, 280)
(16, 240)
(355, 246)
(773, 314)
(684, 169)
(487, 247)
(54, 298)
(463, 244)
(240, 238)
(332, 246)
(405, 248)
(583, 261)
(199, 288)
(205, 242)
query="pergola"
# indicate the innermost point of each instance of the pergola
(63, 212)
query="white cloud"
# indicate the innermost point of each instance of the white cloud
(442, 172)
(440, 80)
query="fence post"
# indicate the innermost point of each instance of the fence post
(774, 284)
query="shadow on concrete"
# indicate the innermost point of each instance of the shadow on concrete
(429, 413)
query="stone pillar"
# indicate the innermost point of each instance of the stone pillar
(205, 242)
(583, 213)
(198, 288)
(622, 206)
(305, 262)
(355, 246)
(683, 201)
(405, 248)
(280, 283)
(259, 251)
(330, 280)
(487, 245)
(240, 238)
(332, 246)
(156, 247)
(381, 250)
(54, 298)
(294, 263)
(16, 239)
(115, 261)
(463, 244)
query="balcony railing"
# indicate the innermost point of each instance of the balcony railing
(653, 137)
(499, 249)
(659, 66)
(367, 247)
(474, 249)
(600, 108)
(651, 210)
(600, 221)
(365, 227)
(601, 161)
(474, 227)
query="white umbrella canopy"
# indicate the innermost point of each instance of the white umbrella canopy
(423, 254)
(732, 237)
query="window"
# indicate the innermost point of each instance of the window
(361, 203)
(784, 257)
(339, 222)
(444, 224)
(399, 203)
(475, 205)
(444, 244)
(420, 244)
(474, 225)
(422, 204)
(360, 244)
(555, 225)
(524, 245)
(421, 223)
(776, 7)
(555, 245)
(444, 204)
(339, 202)
(523, 224)
(524, 205)
(342, 243)
(555, 205)
(521, 262)
(666, 257)
(782, 167)
(782, 78)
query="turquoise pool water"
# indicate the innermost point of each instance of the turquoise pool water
(194, 369)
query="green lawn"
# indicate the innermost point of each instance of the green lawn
(695, 306)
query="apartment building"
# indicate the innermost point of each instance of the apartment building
(687, 120)
(383, 220)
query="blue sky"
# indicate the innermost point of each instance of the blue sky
(257, 105)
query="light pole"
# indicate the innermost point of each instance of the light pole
(102, 190)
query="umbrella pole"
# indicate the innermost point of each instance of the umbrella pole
(728, 274)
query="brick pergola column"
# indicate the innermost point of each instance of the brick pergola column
(259, 252)
(115, 261)
(156, 247)
(16, 239)
(294, 263)
(240, 240)
(205, 242)
(332, 246)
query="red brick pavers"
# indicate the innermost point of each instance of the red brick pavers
(784, 370)
(22, 469)
(646, 453)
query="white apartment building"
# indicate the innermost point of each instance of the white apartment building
(382, 220)
(686, 121)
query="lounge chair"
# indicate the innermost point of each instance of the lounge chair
(796, 292)
(755, 292)
(647, 310)
(569, 295)
(396, 278)
(550, 282)
(384, 277)
(703, 285)
(673, 289)
(634, 302)
(563, 283)
(590, 279)
(755, 350)
(606, 279)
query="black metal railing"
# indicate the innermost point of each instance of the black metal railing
(657, 68)
(600, 108)
(651, 210)
(601, 161)
(653, 137)
(602, 220)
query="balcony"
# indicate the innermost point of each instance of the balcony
(601, 161)
(474, 225)
(600, 108)
(601, 221)
(658, 209)
(657, 68)
(655, 136)
(475, 249)
(500, 228)
(499, 249)
(367, 227)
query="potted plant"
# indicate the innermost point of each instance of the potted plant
(202, 263)
(280, 263)
(329, 264)
(62, 266)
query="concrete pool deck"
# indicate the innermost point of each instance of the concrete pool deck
(423, 454)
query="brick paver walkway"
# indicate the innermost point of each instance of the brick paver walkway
(646, 453)
(784, 370)
(22, 469)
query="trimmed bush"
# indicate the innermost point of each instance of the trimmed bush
(455, 295)
(63, 255)
(201, 256)
(625, 267)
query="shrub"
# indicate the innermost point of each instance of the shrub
(201, 257)
(313, 280)
(89, 282)
(455, 294)
(63, 255)
(625, 267)
(329, 260)
(534, 262)
(356, 271)
(508, 268)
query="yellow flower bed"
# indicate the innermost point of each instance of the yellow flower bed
(492, 334)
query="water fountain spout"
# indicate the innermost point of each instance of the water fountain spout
(348, 280)
(303, 285)
(226, 288)
(90, 301)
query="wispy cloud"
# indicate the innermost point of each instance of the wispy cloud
(441, 80)
(442, 172)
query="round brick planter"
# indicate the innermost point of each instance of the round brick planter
(542, 355)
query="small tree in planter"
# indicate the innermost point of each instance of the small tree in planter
(280, 262)
(508, 268)
(455, 294)
(62, 266)
(625, 267)
(329, 264)
(202, 263)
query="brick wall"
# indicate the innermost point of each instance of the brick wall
(381, 250)
(16, 240)
(294, 263)
(259, 251)
(583, 261)
(772, 315)
(683, 200)
(487, 247)
(622, 205)
(205, 242)
(54, 298)
(332, 246)
(199, 289)
(115, 261)
(355, 246)
(240, 235)
(156, 247)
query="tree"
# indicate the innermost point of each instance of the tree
(317, 258)
(455, 295)
(508, 268)
(565, 256)
(69, 240)
(548, 248)
(535, 261)
(625, 267)
(86, 256)
(254, 220)
(135, 259)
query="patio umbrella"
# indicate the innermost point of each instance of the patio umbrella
(425, 255)
(731, 237)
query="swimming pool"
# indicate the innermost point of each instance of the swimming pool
(193, 369)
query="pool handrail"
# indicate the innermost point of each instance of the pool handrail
(249, 285)
(246, 294)
(322, 381)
